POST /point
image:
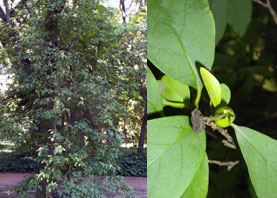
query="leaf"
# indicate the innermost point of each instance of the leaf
(219, 10)
(212, 85)
(223, 62)
(225, 94)
(198, 188)
(239, 15)
(181, 33)
(173, 104)
(174, 91)
(154, 99)
(259, 69)
(260, 154)
(174, 155)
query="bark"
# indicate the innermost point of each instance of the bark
(143, 130)
(51, 24)
(3, 15)
(123, 10)
(7, 11)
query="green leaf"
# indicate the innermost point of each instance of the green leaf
(198, 188)
(219, 10)
(154, 99)
(258, 69)
(225, 94)
(239, 15)
(260, 154)
(173, 104)
(174, 155)
(181, 33)
(212, 85)
(174, 91)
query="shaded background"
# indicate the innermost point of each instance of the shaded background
(248, 65)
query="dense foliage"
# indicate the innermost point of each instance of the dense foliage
(130, 163)
(72, 78)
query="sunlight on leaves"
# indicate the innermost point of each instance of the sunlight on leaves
(180, 34)
(174, 156)
(212, 85)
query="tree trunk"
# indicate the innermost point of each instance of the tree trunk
(143, 130)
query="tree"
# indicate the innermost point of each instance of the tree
(69, 78)
(187, 105)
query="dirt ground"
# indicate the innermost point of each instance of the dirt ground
(8, 180)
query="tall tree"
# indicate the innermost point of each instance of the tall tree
(65, 101)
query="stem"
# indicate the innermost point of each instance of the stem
(229, 164)
(269, 7)
(223, 132)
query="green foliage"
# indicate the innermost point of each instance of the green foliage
(174, 155)
(226, 94)
(132, 163)
(154, 100)
(239, 15)
(259, 152)
(170, 45)
(129, 162)
(199, 185)
(174, 92)
(236, 13)
(72, 70)
(8, 164)
(175, 151)
(212, 85)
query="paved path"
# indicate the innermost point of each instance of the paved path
(8, 180)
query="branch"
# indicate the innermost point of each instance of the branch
(7, 11)
(122, 9)
(223, 132)
(229, 164)
(269, 7)
(3, 15)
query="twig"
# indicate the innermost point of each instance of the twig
(229, 164)
(269, 7)
(228, 144)
(223, 132)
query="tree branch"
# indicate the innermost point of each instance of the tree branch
(122, 9)
(3, 15)
(269, 7)
(7, 11)
(229, 164)
(224, 132)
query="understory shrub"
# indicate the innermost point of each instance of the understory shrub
(130, 163)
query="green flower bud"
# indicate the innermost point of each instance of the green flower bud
(228, 119)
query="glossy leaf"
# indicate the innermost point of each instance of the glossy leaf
(225, 94)
(174, 91)
(174, 156)
(154, 99)
(198, 188)
(212, 85)
(260, 154)
(181, 33)
(239, 15)
(219, 10)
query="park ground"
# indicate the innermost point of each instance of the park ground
(8, 180)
